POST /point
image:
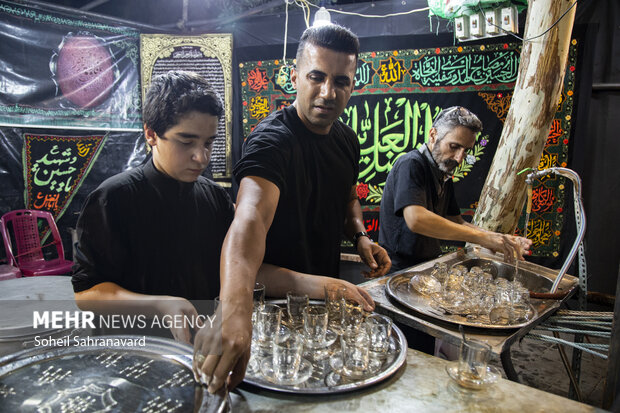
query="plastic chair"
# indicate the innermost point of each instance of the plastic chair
(22, 242)
(8, 272)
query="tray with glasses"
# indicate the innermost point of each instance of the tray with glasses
(477, 291)
(313, 347)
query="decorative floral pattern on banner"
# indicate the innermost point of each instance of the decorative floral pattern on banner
(397, 95)
(54, 168)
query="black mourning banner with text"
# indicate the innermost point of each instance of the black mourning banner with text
(54, 167)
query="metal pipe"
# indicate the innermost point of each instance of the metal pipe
(580, 216)
(605, 86)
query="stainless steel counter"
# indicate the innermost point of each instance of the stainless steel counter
(421, 385)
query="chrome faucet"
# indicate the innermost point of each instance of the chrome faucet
(580, 216)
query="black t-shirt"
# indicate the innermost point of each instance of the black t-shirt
(315, 174)
(413, 180)
(152, 234)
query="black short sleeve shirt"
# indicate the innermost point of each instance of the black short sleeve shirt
(413, 181)
(315, 174)
(151, 234)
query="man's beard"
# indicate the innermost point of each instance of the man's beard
(447, 166)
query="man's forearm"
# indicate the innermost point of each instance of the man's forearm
(354, 220)
(109, 297)
(241, 258)
(422, 221)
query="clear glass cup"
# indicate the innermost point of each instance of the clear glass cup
(353, 315)
(268, 321)
(520, 301)
(355, 352)
(287, 351)
(473, 358)
(295, 304)
(315, 323)
(259, 293)
(335, 298)
(379, 329)
(259, 300)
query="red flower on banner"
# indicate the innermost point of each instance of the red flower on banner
(505, 46)
(362, 190)
(438, 50)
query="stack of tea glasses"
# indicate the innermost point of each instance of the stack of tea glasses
(475, 294)
(338, 340)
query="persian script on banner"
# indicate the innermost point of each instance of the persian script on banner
(54, 168)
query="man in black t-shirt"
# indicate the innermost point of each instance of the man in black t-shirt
(296, 195)
(418, 207)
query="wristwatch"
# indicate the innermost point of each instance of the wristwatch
(357, 236)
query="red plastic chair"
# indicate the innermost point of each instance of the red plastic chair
(22, 242)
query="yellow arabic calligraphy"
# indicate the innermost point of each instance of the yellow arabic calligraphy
(84, 148)
(259, 107)
(539, 231)
(391, 71)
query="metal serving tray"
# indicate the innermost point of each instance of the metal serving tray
(324, 380)
(534, 277)
(156, 377)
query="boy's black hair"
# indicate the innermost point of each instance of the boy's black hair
(174, 94)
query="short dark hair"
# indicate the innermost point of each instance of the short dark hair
(329, 36)
(174, 94)
(454, 116)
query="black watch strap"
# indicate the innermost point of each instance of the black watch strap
(357, 236)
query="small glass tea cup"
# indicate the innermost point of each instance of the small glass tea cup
(268, 320)
(287, 351)
(259, 294)
(315, 324)
(335, 299)
(295, 304)
(473, 358)
(379, 329)
(355, 352)
(353, 315)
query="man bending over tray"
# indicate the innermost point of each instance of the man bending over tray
(418, 207)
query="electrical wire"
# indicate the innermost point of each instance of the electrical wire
(285, 32)
(350, 13)
(305, 5)
(539, 35)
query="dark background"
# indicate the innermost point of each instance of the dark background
(260, 23)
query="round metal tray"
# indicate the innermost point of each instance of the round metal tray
(399, 288)
(156, 377)
(323, 374)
